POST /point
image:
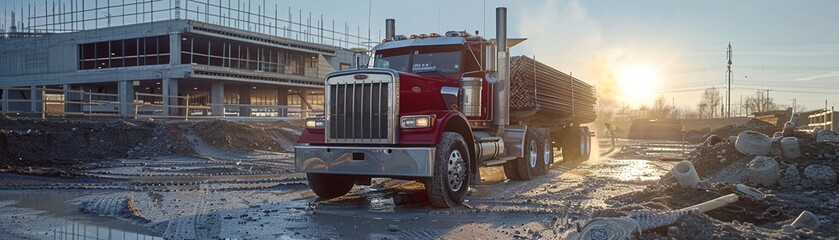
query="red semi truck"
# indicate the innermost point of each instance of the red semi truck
(434, 108)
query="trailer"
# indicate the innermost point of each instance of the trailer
(437, 107)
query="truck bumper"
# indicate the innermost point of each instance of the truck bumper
(374, 161)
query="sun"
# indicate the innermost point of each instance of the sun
(638, 84)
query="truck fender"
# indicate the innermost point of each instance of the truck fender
(455, 122)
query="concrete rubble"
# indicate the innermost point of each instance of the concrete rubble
(793, 176)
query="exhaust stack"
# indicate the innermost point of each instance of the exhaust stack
(501, 111)
(390, 29)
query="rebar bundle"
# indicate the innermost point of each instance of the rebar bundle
(535, 85)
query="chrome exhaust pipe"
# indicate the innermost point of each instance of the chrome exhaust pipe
(501, 99)
(390, 29)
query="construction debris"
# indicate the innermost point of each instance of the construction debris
(794, 177)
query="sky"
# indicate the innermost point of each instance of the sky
(790, 48)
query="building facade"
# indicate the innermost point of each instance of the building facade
(169, 68)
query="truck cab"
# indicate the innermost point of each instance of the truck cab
(432, 108)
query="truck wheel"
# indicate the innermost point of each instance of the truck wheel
(527, 166)
(572, 145)
(586, 140)
(511, 171)
(330, 185)
(547, 152)
(448, 186)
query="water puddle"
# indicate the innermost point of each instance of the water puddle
(82, 225)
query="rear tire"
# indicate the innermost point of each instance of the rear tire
(511, 171)
(572, 145)
(448, 187)
(546, 152)
(586, 141)
(527, 167)
(330, 185)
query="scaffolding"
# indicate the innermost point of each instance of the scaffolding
(61, 16)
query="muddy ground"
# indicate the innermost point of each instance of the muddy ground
(212, 184)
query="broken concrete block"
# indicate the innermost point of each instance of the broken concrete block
(712, 140)
(820, 175)
(764, 171)
(827, 136)
(806, 220)
(753, 143)
(790, 147)
(789, 129)
(686, 174)
(791, 177)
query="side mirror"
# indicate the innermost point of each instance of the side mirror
(491, 77)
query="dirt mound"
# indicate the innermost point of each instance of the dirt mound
(59, 147)
(754, 125)
(232, 135)
(47, 143)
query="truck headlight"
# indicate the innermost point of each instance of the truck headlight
(314, 123)
(419, 121)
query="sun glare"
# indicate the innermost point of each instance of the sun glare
(638, 84)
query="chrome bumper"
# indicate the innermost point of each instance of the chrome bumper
(376, 161)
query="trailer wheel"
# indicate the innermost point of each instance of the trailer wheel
(448, 186)
(586, 140)
(330, 185)
(547, 151)
(572, 145)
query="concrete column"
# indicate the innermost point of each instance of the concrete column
(245, 98)
(175, 48)
(72, 96)
(170, 93)
(125, 92)
(5, 105)
(282, 100)
(217, 92)
(35, 100)
(304, 103)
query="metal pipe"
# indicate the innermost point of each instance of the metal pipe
(501, 109)
(390, 28)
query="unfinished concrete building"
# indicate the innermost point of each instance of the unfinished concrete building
(206, 64)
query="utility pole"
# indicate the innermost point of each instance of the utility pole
(728, 76)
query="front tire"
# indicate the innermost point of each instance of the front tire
(330, 185)
(448, 187)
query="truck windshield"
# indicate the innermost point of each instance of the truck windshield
(421, 61)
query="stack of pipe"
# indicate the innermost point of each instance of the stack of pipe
(535, 85)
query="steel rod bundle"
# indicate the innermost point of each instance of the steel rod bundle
(535, 85)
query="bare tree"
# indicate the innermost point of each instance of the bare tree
(760, 102)
(688, 113)
(660, 109)
(795, 109)
(710, 103)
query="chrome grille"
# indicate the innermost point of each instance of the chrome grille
(360, 111)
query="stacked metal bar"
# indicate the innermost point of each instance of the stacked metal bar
(535, 85)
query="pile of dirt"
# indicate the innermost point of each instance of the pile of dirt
(697, 136)
(802, 186)
(231, 135)
(753, 125)
(62, 146)
(47, 143)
